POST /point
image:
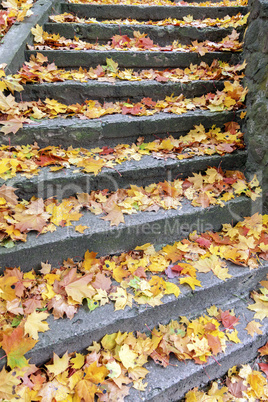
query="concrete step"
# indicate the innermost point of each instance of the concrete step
(172, 382)
(67, 182)
(112, 130)
(70, 92)
(132, 59)
(147, 12)
(160, 35)
(138, 229)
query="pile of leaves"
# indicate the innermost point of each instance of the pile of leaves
(224, 3)
(13, 114)
(139, 42)
(27, 159)
(114, 364)
(213, 187)
(245, 383)
(234, 21)
(16, 11)
(38, 70)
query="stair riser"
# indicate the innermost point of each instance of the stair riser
(147, 171)
(131, 59)
(147, 227)
(113, 130)
(70, 92)
(144, 13)
(162, 36)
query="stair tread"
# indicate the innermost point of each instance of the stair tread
(114, 129)
(160, 35)
(143, 227)
(148, 170)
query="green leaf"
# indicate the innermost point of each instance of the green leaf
(92, 304)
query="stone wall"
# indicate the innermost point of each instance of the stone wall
(256, 55)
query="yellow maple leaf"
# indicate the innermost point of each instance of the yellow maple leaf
(80, 228)
(232, 336)
(95, 374)
(254, 327)
(192, 282)
(38, 34)
(78, 361)
(260, 307)
(8, 382)
(34, 324)
(60, 364)
(127, 356)
(121, 298)
(212, 311)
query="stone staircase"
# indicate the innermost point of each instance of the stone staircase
(160, 227)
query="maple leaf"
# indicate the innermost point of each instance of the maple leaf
(8, 193)
(96, 374)
(233, 336)
(30, 222)
(192, 282)
(61, 307)
(127, 356)
(79, 289)
(86, 390)
(260, 307)
(8, 383)
(236, 388)
(121, 298)
(80, 228)
(38, 34)
(228, 320)
(11, 126)
(115, 216)
(254, 327)
(16, 345)
(34, 324)
(59, 364)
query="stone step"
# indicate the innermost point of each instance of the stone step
(115, 129)
(147, 12)
(162, 36)
(67, 182)
(138, 229)
(172, 382)
(132, 59)
(70, 92)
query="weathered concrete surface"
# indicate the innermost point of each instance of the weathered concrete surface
(67, 182)
(144, 12)
(138, 229)
(14, 43)
(162, 35)
(111, 130)
(70, 92)
(132, 59)
(256, 54)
